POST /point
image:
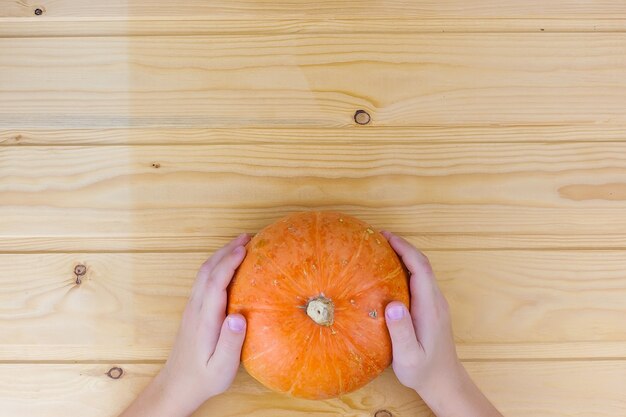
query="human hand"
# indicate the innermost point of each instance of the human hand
(207, 350)
(424, 354)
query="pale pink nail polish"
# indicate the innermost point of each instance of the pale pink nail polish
(236, 324)
(395, 312)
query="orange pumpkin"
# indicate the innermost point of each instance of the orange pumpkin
(313, 288)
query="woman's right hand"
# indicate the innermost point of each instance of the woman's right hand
(424, 354)
(423, 346)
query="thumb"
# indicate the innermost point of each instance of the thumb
(225, 359)
(403, 339)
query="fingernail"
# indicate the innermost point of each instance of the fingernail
(241, 236)
(236, 324)
(239, 250)
(395, 312)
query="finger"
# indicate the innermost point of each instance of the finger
(415, 260)
(404, 342)
(422, 275)
(209, 264)
(225, 360)
(225, 268)
(214, 297)
(425, 292)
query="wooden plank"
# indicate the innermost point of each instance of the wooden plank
(531, 297)
(82, 27)
(351, 9)
(118, 306)
(505, 304)
(202, 243)
(86, 390)
(326, 136)
(554, 389)
(525, 389)
(313, 80)
(489, 191)
(115, 229)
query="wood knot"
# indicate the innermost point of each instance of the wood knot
(115, 372)
(383, 413)
(80, 270)
(156, 165)
(38, 11)
(362, 117)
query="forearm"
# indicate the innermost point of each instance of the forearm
(159, 399)
(458, 396)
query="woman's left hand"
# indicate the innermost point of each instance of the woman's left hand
(206, 354)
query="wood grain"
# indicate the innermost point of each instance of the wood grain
(492, 191)
(85, 26)
(554, 389)
(202, 243)
(138, 136)
(525, 389)
(371, 135)
(313, 80)
(267, 9)
(505, 304)
(86, 390)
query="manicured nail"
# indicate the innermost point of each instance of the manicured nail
(395, 312)
(236, 324)
(239, 250)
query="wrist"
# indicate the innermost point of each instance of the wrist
(439, 391)
(458, 396)
(160, 399)
(171, 396)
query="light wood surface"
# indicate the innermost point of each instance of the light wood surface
(370, 135)
(519, 389)
(137, 137)
(271, 9)
(205, 25)
(313, 80)
(505, 304)
(486, 190)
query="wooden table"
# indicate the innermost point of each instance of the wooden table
(136, 137)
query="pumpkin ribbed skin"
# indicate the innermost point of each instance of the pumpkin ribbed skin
(324, 256)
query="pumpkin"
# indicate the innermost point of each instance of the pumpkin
(313, 288)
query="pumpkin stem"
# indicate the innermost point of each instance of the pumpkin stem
(321, 310)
